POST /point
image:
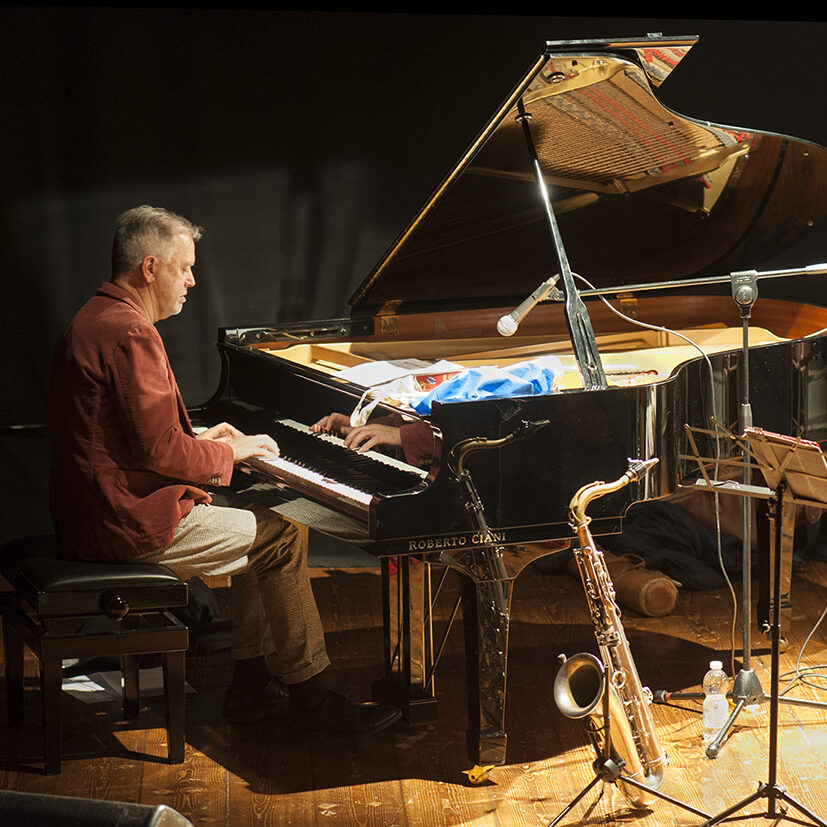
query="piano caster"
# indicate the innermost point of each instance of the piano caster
(479, 774)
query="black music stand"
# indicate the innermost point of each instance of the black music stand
(796, 470)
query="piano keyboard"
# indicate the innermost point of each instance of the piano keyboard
(321, 466)
(373, 456)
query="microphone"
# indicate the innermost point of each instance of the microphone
(744, 289)
(508, 324)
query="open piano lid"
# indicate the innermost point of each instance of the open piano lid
(640, 194)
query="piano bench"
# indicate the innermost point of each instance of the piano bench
(68, 609)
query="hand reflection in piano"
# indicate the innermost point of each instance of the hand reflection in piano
(376, 434)
(412, 441)
(244, 445)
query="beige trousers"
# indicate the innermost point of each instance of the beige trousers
(274, 612)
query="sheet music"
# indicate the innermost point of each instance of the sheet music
(369, 374)
(800, 461)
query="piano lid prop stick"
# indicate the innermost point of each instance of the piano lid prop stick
(577, 316)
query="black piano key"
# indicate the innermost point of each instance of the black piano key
(342, 464)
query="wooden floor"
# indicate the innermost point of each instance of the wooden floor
(250, 774)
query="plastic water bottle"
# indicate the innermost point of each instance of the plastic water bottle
(716, 706)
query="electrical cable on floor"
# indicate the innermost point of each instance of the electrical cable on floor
(810, 675)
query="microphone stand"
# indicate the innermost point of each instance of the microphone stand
(746, 688)
(703, 281)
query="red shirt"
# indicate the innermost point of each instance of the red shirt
(126, 466)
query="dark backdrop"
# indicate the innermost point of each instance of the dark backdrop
(303, 142)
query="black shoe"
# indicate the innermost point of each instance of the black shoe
(338, 719)
(242, 705)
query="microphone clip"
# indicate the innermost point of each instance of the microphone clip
(744, 290)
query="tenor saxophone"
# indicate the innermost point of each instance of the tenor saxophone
(582, 681)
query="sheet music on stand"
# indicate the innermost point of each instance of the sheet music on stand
(796, 468)
(800, 466)
(798, 462)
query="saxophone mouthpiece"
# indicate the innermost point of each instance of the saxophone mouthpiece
(639, 468)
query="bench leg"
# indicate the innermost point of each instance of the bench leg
(13, 648)
(13, 654)
(51, 676)
(129, 667)
(174, 669)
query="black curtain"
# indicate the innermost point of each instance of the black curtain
(302, 142)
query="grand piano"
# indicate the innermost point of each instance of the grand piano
(581, 173)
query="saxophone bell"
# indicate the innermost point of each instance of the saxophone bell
(580, 689)
(579, 685)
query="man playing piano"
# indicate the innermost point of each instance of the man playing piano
(129, 479)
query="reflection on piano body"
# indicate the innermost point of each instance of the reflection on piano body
(644, 201)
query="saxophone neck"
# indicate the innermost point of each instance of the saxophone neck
(458, 453)
(637, 470)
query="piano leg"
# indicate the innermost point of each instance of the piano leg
(406, 601)
(409, 649)
(486, 609)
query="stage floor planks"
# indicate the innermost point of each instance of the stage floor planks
(250, 774)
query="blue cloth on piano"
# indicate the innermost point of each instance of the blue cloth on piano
(529, 378)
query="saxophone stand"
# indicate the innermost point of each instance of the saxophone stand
(798, 472)
(608, 768)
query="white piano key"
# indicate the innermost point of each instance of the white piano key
(374, 455)
(305, 479)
